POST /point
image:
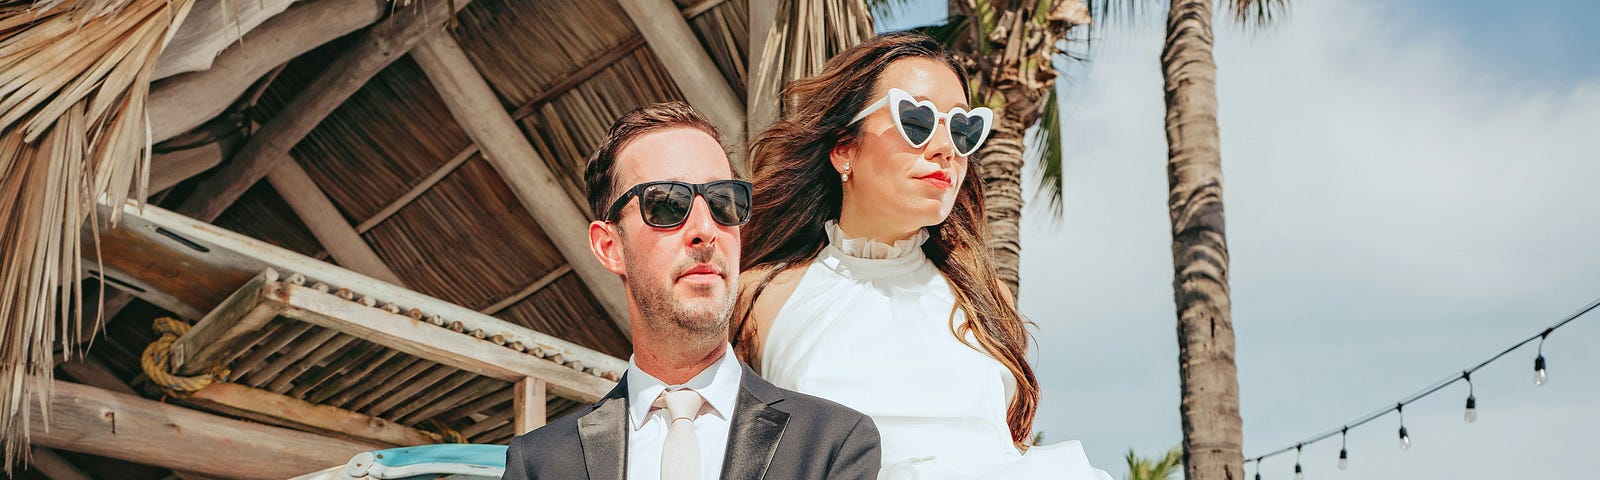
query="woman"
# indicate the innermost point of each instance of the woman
(867, 279)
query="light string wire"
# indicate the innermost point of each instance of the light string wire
(1425, 391)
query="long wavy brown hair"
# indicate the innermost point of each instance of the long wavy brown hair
(797, 191)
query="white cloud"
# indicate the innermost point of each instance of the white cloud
(1397, 206)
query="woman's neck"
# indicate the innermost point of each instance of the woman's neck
(879, 229)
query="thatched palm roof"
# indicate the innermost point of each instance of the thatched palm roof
(394, 184)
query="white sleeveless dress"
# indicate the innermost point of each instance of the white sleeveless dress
(869, 326)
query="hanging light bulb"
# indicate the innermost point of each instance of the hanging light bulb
(1472, 402)
(1539, 376)
(1405, 440)
(1344, 454)
(1298, 475)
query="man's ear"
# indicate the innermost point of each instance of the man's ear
(605, 241)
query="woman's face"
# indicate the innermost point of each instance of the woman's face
(893, 184)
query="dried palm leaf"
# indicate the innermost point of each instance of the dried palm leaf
(74, 76)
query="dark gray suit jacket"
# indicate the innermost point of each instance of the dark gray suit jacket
(775, 434)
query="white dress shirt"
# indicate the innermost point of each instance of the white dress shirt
(647, 428)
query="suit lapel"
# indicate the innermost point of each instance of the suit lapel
(604, 436)
(757, 427)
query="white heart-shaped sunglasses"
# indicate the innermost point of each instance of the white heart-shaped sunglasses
(917, 119)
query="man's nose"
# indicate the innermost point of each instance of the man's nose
(699, 229)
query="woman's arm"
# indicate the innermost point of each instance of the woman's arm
(762, 293)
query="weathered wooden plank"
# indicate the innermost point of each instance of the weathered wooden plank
(422, 339)
(210, 28)
(478, 388)
(209, 263)
(429, 396)
(476, 108)
(528, 405)
(242, 401)
(302, 347)
(246, 368)
(224, 331)
(126, 427)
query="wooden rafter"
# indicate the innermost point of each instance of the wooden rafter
(128, 427)
(285, 411)
(474, 106)
(269, 147)
(528, 291)
(697, 76)
(54, 466)
(183, 102)
(417, 190)
(320, 215)
(583, 74)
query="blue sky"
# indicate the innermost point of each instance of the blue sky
(1409, 190)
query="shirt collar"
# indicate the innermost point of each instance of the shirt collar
(718, 384)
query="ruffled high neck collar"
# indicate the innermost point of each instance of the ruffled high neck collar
(872, 249)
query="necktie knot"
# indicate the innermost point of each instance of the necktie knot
(682, 404)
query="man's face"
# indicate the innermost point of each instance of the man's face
(680, 279)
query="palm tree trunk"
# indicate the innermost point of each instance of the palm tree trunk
(1001, 167)
(1212, 433)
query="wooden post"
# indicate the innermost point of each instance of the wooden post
(528, 402)
(127, 427)
(697, 76)
(474, 106)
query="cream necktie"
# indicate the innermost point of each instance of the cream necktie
(680, 454)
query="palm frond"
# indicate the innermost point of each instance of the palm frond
(1046, 155)
(946, 33)
(75, 75)
(1257, 13)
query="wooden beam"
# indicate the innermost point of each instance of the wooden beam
(691, 67)
(90, 371)
(168, 169)
(528, 291)
(54, 467)
(762, 85)
(269, 147)
(418, 189)
(127, 427)
(528, 401)
(226, 329)
(479, 112)
(323, 219)
(282, 410)
(183, 102)
(422, 339)
(704, 6)
(210, 28)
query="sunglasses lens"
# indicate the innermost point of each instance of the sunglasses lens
(917, 122)
(729, 202)
(967, 132)
(665, 204)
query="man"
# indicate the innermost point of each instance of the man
(668, 215)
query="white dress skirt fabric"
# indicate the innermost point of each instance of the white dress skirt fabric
(875, 335)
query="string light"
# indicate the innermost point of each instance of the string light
(1405, 440)
(1344, 454)
(1541, 377)
(1297, 472)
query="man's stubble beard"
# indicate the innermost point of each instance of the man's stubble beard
(668, 317)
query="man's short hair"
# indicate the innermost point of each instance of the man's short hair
(600, 176)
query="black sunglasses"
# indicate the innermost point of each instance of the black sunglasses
(666, 203)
